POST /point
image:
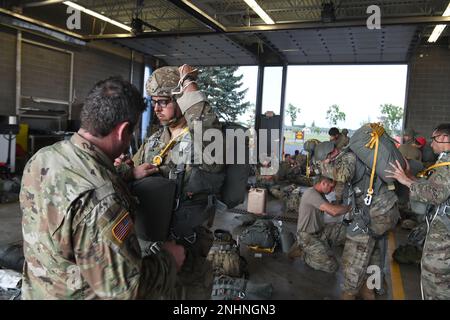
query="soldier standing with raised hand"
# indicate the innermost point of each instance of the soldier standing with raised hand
(180, 106)
(434, 189)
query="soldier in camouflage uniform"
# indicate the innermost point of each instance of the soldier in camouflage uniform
(346, 139)
(314, 237)
(340, 141)
(79, 239)
(434, 190)
(180, 107)
(362, 247)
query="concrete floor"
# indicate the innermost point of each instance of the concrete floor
(290, 280)
(297, 281)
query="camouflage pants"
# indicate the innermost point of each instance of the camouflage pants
(196, 275)
(317, 247)
(436, 261)
(360, 251)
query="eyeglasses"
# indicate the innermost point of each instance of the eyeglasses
(161, 102)
(433, 138)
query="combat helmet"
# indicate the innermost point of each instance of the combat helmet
(163, 81)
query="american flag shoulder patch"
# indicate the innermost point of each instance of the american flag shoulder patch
(122, 228)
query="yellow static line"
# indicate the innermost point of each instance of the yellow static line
(398, 292)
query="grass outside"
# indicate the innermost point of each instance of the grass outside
(291, 144)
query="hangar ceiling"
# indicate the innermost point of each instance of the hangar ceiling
(229, 32)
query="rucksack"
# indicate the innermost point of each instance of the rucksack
(224, 256)
(234, 187)
(363, 144)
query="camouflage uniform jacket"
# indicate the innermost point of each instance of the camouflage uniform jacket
(209, 177)
(435, 266)
(79, 240)
(435, 189)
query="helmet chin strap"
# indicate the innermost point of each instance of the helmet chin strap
(177, 117)
(173, 122)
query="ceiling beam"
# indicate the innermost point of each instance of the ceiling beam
(199, 14)
(422, 20)
(342, 24)
(40, 23)
(40, 3)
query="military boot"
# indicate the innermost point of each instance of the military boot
(294, 252)
(365, 293)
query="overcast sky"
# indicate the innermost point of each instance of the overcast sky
(358, 90)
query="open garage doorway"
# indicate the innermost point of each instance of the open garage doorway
(344, 96)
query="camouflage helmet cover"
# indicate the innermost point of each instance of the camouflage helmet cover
(163, 81)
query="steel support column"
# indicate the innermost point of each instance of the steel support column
(259, 96)
(282, 105)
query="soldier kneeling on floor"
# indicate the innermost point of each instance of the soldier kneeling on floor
(314, 237)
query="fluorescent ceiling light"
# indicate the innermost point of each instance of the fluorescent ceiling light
(97, 15)
(436, 32)
(259, 11)
(440, 27)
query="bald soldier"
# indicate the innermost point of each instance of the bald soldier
(79, 238)
(433, 189)
(313, 235)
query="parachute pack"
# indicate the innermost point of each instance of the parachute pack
(236, 174)
(376, 149)
(262, 234)
(157, 193)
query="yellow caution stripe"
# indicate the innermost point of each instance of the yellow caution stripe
(398, 293)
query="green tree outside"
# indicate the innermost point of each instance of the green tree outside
(334, 115)
(223, 91)
(292, 111)
(391, 117)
